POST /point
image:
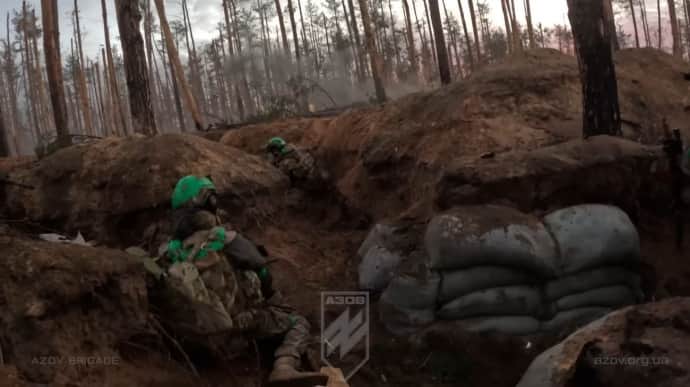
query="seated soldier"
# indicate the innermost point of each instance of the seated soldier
(236, 281)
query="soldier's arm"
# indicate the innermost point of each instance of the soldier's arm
(244, 253)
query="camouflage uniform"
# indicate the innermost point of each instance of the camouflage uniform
(300, 166)
(220, 274)
(231, 299)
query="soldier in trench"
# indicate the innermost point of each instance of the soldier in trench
(225, 271)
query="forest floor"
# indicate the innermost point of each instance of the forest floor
(510, 135)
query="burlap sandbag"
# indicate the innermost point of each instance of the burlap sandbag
(573, 318)
(593, 235)
(400, 320)
(408, 303)
(379, 235)
(503, 301)
(490, 235)
(609, 296)
(458, 283)
(510, 325)
(409, 292)
(377, 268)
(590, 279)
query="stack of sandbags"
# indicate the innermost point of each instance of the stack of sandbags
(384, 251)
(409, 303)
(600, 252)
(378, 262)
(491, 261)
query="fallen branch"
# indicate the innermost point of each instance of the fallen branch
(177, 345)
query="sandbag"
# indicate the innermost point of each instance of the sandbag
(593, 235)
(400, 320)
(591, 279)
(457, 283)
(504, 301)
(377, 268)
(490, 235)
(379, 235)
(573, 318)
(511, 325)
(408, 292)
(609, 296)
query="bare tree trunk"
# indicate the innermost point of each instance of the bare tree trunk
(12, 86)
(177, 67)
(509, 32)
(473, 16)
(295, 36)
(101, 101)
(128, 20)
(530, 27)
(38, 82)
(686, 8)
(171, 84)
(109, 104)
(29, 84)
(226, 12)
(301, 22)
(373, 54)
(411, 52)
(441, 51)
(517, 34)
(360, 53)
(645, 24)
(112, 76)
(51, 46)
(432, 39)
(658, 11)
(637, 35)
(197, 84)
(675, 31)
(350, 34)
(468, 43)
(601, 112)
(281, 23)
(611, 24)
(82, 91)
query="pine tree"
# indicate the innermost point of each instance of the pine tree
(51, 43)
(128, 20)
(601, 112)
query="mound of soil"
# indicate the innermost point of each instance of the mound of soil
(601, 169)
(394, 153)
(113, 189)
(63, 305)
(644, 345)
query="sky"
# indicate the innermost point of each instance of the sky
(205, 15)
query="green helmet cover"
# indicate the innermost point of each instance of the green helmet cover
(177, 253)
(277, 143)
(188, 188)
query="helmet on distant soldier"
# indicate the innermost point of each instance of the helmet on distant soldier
(194, 192)
(276, 144)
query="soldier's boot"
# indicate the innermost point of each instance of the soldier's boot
(285, 374)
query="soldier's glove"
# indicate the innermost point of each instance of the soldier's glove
(246, 320)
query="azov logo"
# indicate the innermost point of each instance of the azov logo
(345, 330)
(346, 300)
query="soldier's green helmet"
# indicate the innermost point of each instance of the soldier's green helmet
(192, 191)
(276, 143)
